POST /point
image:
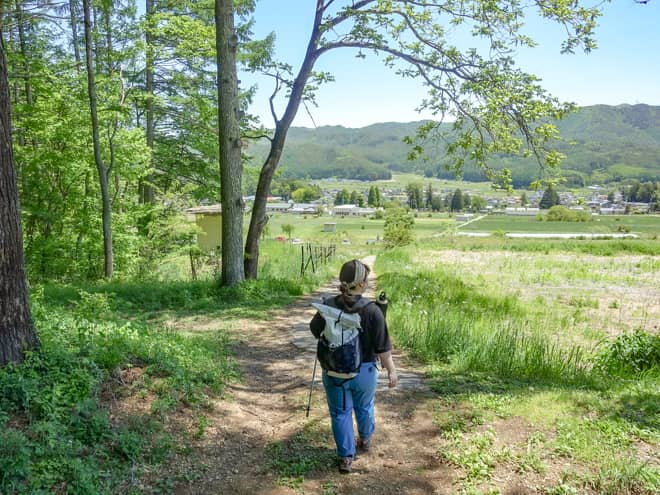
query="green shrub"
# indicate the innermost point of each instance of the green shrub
(14, 459)
(630, 353)
(562, 214)
(63, 439)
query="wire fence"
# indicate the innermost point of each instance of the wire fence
(312, 255)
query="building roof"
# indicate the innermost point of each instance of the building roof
(215, 209)
(278, 206)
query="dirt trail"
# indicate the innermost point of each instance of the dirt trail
(269, 406)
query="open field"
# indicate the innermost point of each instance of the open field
(400, 181)
(356, 230)
(599, 295)
(525, 349)
(644, 225)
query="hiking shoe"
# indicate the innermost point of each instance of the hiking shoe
(362, 445)
(345, 464)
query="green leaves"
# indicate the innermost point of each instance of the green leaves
(398, 228)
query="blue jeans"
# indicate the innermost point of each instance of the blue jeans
(346, 396)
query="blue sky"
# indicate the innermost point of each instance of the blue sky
(624, 69)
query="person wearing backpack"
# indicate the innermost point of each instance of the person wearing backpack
(352, 390)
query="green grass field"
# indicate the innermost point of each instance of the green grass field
(356, 230)
(561, 347)
(646, 225)
(400, 181)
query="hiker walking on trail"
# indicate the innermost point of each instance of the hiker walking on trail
(352, 388)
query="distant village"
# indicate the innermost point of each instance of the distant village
(599, 202)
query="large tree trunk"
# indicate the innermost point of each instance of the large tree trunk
(16, 331)
(100, 166)
(229, 142)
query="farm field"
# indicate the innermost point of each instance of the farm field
(400, 181)
(599, 295)
(361, 230)
(644, 225)
(356, 230)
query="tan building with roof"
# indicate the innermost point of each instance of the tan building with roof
(209, 220)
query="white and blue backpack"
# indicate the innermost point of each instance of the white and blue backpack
(339, 349)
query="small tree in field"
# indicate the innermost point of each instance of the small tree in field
(288, 229)
(457, 201)
(523, 199)
(478, 203)
(398, 229)
(550, 198)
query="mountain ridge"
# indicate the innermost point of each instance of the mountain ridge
(602, 143)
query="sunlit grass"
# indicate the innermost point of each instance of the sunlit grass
(500, 351)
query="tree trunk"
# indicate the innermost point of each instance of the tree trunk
(100, 167)
(17, 334)
(229, 142)
(147, 184)
(258, 219)
(20, 19)
(73, 7)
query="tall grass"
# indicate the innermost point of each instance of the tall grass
(440, 317)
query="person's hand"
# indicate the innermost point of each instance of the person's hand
(392, 379)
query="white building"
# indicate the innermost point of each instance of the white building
(352, 211)
(521, 211)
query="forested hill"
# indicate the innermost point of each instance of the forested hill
(604, 144)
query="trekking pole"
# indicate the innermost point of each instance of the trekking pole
(311, 387)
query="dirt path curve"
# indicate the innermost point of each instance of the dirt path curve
(268, 407)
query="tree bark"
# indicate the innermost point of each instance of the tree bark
(73, 6)
(17, 333)
(229, 142)
(147, 188)
(100, 166)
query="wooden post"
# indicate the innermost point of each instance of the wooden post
(302, 261)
